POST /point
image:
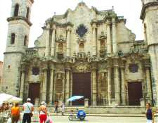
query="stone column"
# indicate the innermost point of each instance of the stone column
(51, 88)
(123, 91)
(47, 50)
(68, 50)
(94, 88)
(108, 38)
(154, 71)
(67, 85)
(109, 85)
(44, 84)
(148, 81)
(53, 42)
(94, 38)
(114, 38)
(116, 82)
(22, 84)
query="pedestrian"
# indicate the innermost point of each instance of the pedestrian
(15, 113)
(28, 108)
(43, 112)
(149, 114)
(62, 108)
(56, 107)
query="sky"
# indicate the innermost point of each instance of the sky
(44, 9)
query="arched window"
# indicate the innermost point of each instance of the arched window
(28, 11)
(81, 47)
(25, 40)
(60, 47)
(12, 38)
(16, 11)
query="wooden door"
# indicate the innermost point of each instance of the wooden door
(34, 91)
(81, 86)
(134, 93)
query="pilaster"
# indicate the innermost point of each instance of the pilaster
(116, 82)
(44, 84)
(108, 37)
(47, 50)
(68, 50)
(53, 41)
(94, 38)
(22, 83)
(114, 38)
(94, 86)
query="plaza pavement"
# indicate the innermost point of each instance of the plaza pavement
(99, 119)
(96, 118)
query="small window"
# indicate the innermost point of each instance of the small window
(16, 11)
(8, 66)
(35, 71)
(133, 68)
(25, 40)
(12, 38)
(28, 11)
(81, 47)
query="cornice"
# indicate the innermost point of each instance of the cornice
(19, 18)
(142, 16)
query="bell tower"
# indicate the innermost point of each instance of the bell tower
(149, 16)
(17, 42)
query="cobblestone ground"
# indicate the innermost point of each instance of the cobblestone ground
(98, 119)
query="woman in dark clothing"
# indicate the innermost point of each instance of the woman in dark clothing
(149, 114)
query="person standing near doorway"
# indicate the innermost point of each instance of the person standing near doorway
(28, 108)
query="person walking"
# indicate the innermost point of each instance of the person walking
(15, 113)
(56, 107)
(149, 114)
(28, 108)
(43, 112)
(62, 108)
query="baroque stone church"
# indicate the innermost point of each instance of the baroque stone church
(82, 52)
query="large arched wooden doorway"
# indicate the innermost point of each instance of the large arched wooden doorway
(81, 86)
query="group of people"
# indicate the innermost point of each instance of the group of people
(28, 108)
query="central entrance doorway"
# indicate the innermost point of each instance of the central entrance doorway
(81, 86)
(134, 93)
(34, 91)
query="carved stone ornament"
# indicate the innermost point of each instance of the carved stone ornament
(82, 67)
(61, 38)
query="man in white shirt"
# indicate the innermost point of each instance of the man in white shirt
(27, 109)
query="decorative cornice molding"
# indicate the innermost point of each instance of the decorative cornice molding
(142, 16)
(19, 18)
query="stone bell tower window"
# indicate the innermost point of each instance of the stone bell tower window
(12, 38)
(81, 30)
(25, 40)
(28, 11)
(16, 11)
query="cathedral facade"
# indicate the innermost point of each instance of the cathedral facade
(82, 52)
